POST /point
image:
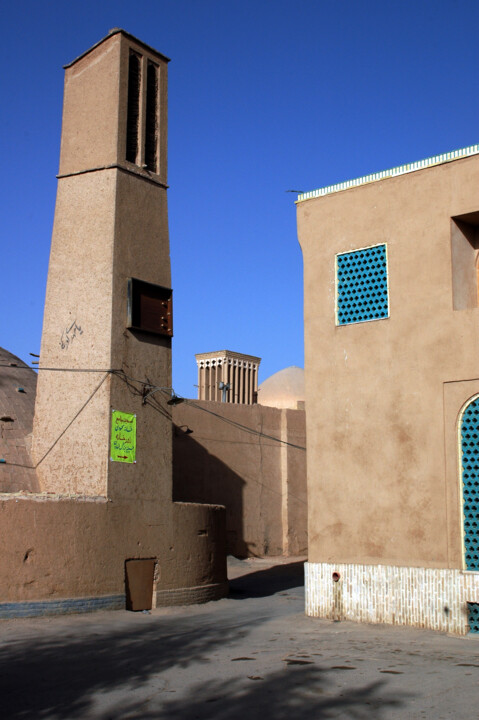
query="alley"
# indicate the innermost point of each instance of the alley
(253, 655)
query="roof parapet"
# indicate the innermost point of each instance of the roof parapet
(393, 172)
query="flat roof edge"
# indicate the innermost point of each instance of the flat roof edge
(117, 31)
(393, 172)
(225, 353)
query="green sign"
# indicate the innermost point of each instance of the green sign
(123, 437)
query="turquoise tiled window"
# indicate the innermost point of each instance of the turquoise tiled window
(470, 482)
(362, 285)
(473, 613)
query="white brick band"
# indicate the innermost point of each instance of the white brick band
(423, 597)
(393, 172)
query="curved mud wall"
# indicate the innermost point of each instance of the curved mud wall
(72, 548)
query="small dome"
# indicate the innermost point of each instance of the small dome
(18, 384)
(284, 389)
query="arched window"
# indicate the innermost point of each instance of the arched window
(469, 439)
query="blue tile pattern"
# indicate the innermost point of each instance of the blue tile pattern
(362, 285)
(470, 482)
(39, 608)
(473, 611)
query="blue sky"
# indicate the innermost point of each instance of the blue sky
(264, 97)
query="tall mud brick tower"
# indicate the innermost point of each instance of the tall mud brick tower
(102, 439)
(109, 261)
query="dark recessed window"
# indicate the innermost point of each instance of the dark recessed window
(133, 114)
(151, 130)
(150, 307)
(464, 255)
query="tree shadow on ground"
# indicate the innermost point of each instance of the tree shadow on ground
(263, 583)
(304, 693)
(57, 675)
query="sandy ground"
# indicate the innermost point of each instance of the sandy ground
(251, 656)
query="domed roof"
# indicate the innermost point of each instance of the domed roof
(284, 389)
(18, 385)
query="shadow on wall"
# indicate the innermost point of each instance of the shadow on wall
(200, 477)
(18, 384)
(252, 460)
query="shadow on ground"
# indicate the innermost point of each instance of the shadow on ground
(126, 674)
(263, 583)
(56, 676)
(299, 693)
(145, 667)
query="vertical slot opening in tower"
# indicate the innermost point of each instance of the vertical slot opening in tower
(151, 130)
(133, 114)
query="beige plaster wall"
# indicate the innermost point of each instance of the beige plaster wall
(384, 396)
(90, 126)
(261, 482)
(60, 548)
(76, 336)
(141, 251)
(295, 497)
(109, 226)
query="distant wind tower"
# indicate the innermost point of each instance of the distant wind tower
(226, 376)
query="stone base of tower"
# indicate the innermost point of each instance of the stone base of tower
(436, 599)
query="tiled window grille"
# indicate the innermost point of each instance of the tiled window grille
(473, 611)
(470, 482)
(362, 285)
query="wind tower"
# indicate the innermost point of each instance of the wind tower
(105, 529)
(108, 299)
(226, 376)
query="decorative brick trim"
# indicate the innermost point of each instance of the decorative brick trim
(190, 595)
(423, 597)
(393, 172)
(38, 608)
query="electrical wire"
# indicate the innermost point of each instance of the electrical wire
(147, 400)
(158, 408)
(252, 431)
(171, 392)
(52, 369)
(34, 467)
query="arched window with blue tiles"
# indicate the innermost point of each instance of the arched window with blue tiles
(362, 285)
(469, 434)
(470, 482)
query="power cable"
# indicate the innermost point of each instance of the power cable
(252, 431)
(147, 400)
(53, 369)
(34, 467)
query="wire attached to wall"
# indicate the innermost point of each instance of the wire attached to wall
(13, 366)
(146, 392)
(88, 400)
(252, 431)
